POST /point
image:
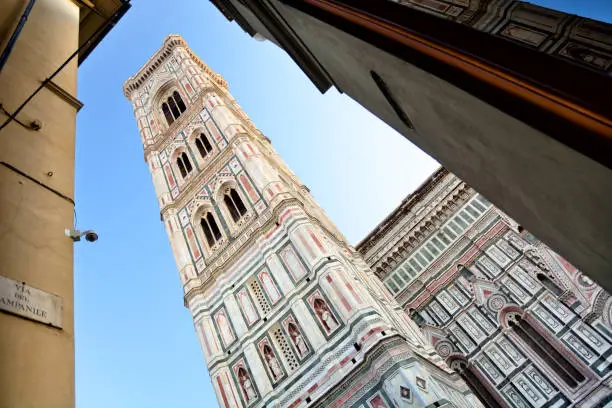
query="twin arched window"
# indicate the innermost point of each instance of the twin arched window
(210, 228)
(234, 204)
(203, 145)
(173, 107)
(182, 161)
(236, 208)
(183, 164)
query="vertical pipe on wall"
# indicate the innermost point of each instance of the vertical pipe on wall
(11, 42)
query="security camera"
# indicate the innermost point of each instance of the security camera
(76, 235)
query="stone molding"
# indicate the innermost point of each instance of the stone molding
(414, 233)
(381, 230)
(227, 256)
(171, 42)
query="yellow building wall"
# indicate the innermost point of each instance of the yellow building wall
(36, 360)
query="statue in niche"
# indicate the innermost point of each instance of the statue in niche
(272, 363)
(325, 315)
(297, 339)
(247, 385)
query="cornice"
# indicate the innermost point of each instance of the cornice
(442, 272)
(168, 135)
(268, 220)
(208, 172)
(401, 210)
(171, 42)
(414, 233)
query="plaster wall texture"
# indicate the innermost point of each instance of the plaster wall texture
(37, 367)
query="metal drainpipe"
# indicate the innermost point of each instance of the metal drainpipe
(9, 46)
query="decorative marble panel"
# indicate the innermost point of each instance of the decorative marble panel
(224, 327)
(547, 318)
(525, 279)
(590, 337)
(500, 360)
(489, 369)
(269, 286)
(482, 321)
(458, 295)
(519, 293)
(498, 256)
(540, 381)
(246, 307)
(511, 350)
(514, 397)
(516, 241)
(507, 249)
(292, 263)
(448, 302)
(471, 328)
(578, 346)
(462, 339)
(489, 267)
(560, 311)
(529, 391)
(435, 307)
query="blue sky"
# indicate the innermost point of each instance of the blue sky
(135, 342)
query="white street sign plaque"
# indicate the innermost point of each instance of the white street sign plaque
(35, 304)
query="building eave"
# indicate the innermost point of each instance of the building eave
(94, 16)
(407, 203)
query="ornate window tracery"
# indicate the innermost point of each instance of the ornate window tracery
(211, 230)
(183, 164)
(234, 204)
(173, 107)
(203, 145)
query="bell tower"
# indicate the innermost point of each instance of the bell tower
(286, 311)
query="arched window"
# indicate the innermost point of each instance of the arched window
(203, 145)
(475, 384)
(183, 164)
(167, 113)
(559, 364)
(234, 204)
(210, 229)
(173, 107)
(179, 101)
(549, 284)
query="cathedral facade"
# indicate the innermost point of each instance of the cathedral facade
(286, 312)
(522, 326)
